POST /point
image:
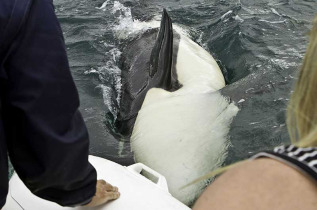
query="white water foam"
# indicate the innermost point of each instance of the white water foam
(276, 12)
(238, 18)
(104, 5)
(226, 14)
(273, 22)
(110, 77)
(129, 27)
(110, 74)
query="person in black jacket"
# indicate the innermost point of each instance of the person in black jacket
(40, 126)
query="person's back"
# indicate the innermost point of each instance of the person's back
(260, 184)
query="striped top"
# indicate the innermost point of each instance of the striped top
(302, 159)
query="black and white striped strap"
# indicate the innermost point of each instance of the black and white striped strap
(303, 159)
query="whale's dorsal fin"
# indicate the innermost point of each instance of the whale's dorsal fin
(147, 64)
(163, 48)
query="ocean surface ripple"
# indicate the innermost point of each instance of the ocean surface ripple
(246, 37)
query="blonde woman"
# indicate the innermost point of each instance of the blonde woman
(284, 178)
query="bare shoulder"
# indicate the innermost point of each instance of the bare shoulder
(260, 184)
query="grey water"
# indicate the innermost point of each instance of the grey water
(246, 37)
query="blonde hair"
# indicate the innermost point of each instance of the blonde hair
(302, 109)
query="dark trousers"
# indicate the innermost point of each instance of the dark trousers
(3, 169)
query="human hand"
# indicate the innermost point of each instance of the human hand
(104, 192)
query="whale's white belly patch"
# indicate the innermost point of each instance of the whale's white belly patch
(196, 69)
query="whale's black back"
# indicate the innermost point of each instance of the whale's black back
(146, 63)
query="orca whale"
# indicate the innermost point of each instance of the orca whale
(179, 122)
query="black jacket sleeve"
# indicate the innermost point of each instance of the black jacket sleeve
(46, 136)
